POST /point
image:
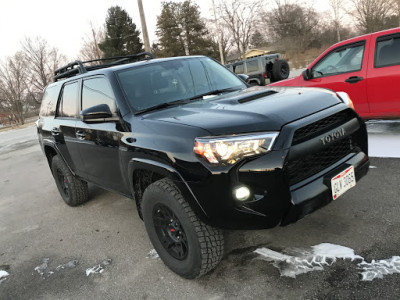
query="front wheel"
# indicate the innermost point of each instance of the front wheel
(186, 245)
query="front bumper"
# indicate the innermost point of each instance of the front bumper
(273, 201)
(292, 180)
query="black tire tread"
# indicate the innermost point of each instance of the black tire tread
(78, 188)
(211, 239)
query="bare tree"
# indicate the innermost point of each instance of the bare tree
(13, 86)
(90, 49)
(336, 7)
(240, 18)
(371, 15)
(396, 5)
(41, 61)
(224, 35)
(293, 26)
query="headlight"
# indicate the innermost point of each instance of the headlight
(230, 149)
(346, 99)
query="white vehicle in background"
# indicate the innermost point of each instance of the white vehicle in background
(262, 67)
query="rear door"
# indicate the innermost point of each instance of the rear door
(384, 75)
(343, 69)
(99, 142)
(63, 127)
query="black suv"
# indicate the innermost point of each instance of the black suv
(198, 150)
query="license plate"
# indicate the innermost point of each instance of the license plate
(343, 182)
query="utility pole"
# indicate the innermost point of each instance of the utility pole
(219, 35)
(144, 27)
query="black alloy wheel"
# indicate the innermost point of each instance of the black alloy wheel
(63, 183)
(186, 245)
(170, 232)
(73, 190)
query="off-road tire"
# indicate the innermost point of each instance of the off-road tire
(73, 190)
(205, 243)
(280, 70)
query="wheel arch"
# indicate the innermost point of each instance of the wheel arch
(143, 172)
(50, 150)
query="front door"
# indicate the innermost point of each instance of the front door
(99, 142)
(344, 69)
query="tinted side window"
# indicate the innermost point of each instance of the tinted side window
(252, 66)
(49, 101)
(97, 91)
(387, 51)
(341, 60)
(69, 104)
(239, 68)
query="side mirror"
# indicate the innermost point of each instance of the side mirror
(244, 77)
(307, 74)
(94, 113)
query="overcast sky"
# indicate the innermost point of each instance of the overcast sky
(64, 24)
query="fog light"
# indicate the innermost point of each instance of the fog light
(241, 193)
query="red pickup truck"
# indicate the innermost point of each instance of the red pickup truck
(365, 67)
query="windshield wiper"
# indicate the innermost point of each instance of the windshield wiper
(184, 101)
(161, 106)
(214, 92)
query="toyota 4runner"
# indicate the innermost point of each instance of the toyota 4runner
(197, 150)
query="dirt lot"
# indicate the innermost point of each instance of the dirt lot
(37, 230)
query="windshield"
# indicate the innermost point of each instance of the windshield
(153, 84)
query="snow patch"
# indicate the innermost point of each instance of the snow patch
(68, 265)
(98, 268)
(42, 268)
(3, 275)
(153, 254)
(380, 268)
(296, 261)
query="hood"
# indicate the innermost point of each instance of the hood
(250, 110)
(287, 82)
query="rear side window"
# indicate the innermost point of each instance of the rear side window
(97, 91)
(387, 51)
(49, 101)
(239, 68)
(252, 66)
(69, 105)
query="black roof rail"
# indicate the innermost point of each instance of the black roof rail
(77, 67)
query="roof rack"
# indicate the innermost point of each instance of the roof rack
(77, 67)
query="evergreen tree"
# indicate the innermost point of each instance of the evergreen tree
(257, 40)
(122, 37)
(181, 30)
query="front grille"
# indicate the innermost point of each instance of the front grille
(314, 129)
(306, 166)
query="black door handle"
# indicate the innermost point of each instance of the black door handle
(55, 131)
(128, 140)
(80, 134)
(353, 79)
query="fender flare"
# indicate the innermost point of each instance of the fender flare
(167, 171)
(52, 145)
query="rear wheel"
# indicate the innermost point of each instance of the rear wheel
(186, 245)
(73, 190)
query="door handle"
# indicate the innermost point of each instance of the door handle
(353, 79)
(55, 131)
(80, 134)
(128, 140)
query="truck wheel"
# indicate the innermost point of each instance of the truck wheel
(186, 245)
(280, 70)
(73, 190)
